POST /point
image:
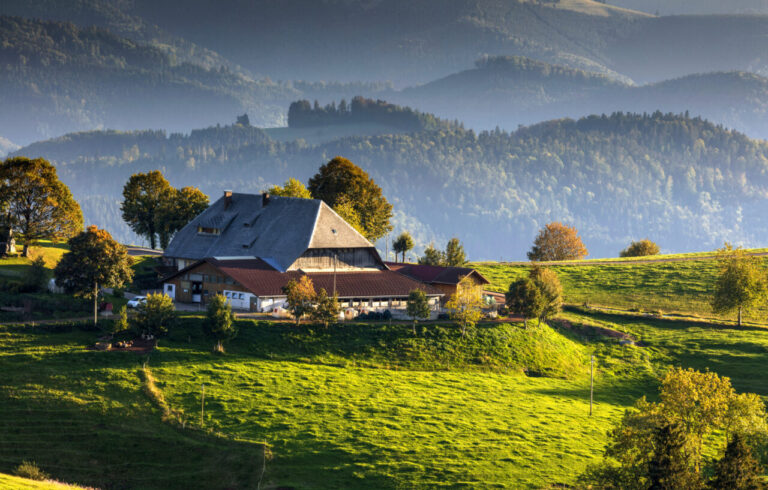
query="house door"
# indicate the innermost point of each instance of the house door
(170, 290)
(197, 292)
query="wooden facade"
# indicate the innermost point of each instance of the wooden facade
(344, 258)
(200, 283)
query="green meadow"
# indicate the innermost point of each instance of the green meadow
(681, 287)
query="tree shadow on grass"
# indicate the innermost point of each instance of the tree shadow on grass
(83, 417)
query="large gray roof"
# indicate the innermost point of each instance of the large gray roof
(278, 231)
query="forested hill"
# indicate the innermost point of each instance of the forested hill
(56, 77)
(509, 91)
(683, 182)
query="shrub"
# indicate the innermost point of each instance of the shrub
(156, 315)
(35, 278)
(219, 322)
(28, 469)
(640, 248)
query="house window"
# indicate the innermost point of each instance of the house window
(204, 230)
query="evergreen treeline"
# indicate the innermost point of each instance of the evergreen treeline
(302, 114)
(616, 178)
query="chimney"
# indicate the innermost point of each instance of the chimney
(264, 199)
(227, 199)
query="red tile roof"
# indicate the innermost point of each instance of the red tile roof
(434, 274)
(261, 279)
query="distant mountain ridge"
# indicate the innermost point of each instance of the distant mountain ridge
(678, 180)
(512, 91)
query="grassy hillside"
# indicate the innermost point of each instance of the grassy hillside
(683, 287)
(352, 406)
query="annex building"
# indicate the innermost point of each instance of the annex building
(249, 246)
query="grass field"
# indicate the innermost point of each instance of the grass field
(15, 267)
(671, 287)
(331, 412)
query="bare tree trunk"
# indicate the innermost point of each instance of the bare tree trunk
(414, 326)
(739, 316)
(25, 250)
(525, 322)
(95, 304)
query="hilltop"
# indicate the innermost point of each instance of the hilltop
(511, 91)
(679, 180)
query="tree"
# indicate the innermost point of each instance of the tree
(454, 253)
(695, 402)
(37, 205)
(94, 260)
(181, 207)
(738, 468)
(640, 248)
(300, 295)
(144, 197)
(156, 315)
(402, 244)
(551, 291)
(524, 298)
(349, 213)
(326, 308)
(465, 304)
(36, 277)
(741, 285)
(417, 306)
(671, 465)
(219, 323)
(243, 120)
(557, 241)
(121, 322)
(432, 256)
(340, 177)
(291, 188)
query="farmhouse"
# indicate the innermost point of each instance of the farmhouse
(249, 246)
(444, 279)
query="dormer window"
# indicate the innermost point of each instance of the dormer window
(202, 230)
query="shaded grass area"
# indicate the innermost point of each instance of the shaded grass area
(681, 287)
(82, 417)
(14, 267)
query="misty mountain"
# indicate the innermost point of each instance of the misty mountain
(415, 42)
(512, 91)
(678, 7)
(57, 78)
(683, 182)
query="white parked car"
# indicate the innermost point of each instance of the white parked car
(136, 301)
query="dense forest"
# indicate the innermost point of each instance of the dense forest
(680, 181)
(302, 114)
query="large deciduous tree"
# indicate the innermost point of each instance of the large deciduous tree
(340, 177)
(36, 204)
(557, 241)
(402, 244)
(180, 207)
(94, 260)
(144, 197)
(741, 285)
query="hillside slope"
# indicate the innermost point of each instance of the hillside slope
(615, 178)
